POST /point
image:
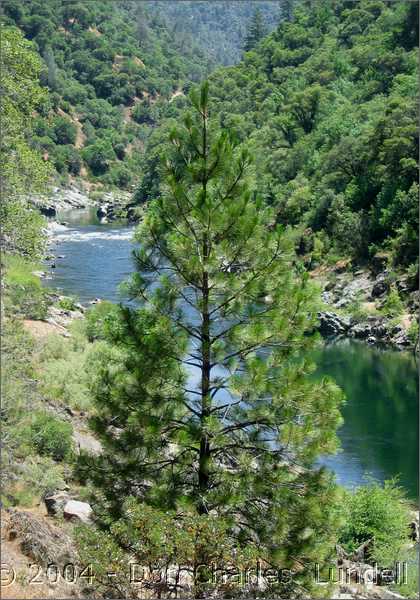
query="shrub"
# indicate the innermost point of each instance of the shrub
(38, 476)
(378, 513)
(22, 228)
(98, 156)
(67, 303)
(96, 319)
(65, 131)
(163, 539)
(143, 113)
(64, 375)
(393, 305)
(49, 436)
(67, 158)
(24, 292)
(413, 332)
(120, 176)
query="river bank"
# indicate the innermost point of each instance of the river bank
(110, 205)
(373, 304)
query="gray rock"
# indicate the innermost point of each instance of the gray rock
(55, 502)
(86, 442)
(380, 287)
(343, 302)
(413, 301)
(74, 509)
(401, 340)
(361, 331)
(327, 297)
(403, 286)
(331, 324)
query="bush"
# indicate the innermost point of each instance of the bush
(143, 113)
(160, 540)
(413, 332)
(67, 303)
(67, 158)
(49, 436)
(98, 156)
(120, 176)
(378, 513)
(65, 131)
(97, 317)
(24, 293)
(393, 305)
(22, 228)
(38, 476)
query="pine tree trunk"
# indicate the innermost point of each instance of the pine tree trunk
(203, 474)
(204, 460)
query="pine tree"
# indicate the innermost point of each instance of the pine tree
(256, 31)
(203, 400)
(287, 9)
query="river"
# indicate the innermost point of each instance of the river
(379, 436)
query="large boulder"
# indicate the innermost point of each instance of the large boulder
(76, 510)
(380, 287)
(331, 324)
(399, 337)
(361, 331)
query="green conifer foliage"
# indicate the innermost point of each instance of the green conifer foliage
(204, 403)
(257, 30)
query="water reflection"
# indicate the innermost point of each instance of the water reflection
(380, 431)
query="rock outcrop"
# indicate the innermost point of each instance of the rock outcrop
(374, 330)
(363, 294)
(76, 510)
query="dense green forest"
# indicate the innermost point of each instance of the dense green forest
(107, 68)
(329, 102)
(332, 93)
(219, 27)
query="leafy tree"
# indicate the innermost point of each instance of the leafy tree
(23, 169)
(98, 156)
(65, 131)
(239, 434)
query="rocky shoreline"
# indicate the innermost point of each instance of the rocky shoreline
(357, 304)
(110, 205)
(374, 330)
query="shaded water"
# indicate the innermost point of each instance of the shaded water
(380, 431)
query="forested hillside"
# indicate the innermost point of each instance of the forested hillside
(218, 27)
(329, 102)
(108, 67)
